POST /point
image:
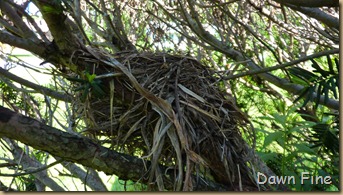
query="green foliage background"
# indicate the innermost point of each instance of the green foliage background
(294, 133)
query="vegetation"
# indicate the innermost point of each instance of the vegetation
(169, 95)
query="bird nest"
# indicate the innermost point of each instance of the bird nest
(171, 110)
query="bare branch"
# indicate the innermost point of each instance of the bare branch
(280, 66)
(238, 56)
(41, 89)
(17, 20)
(92, 180)
(36, 170)
(27, 44)
(311, 3)
(9, 27)
(28, 163)
(318, 14)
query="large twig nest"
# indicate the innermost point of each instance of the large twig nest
(171, 110)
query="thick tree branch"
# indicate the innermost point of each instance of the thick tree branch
(27, 44)
(53, 14)
(84, 151)
(45, 50)
(32, 22)
(18, 21)
(318, 14)
(311, 3)
(9, 27)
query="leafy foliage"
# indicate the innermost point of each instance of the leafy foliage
(287, 151)
(88, 85)
(295, 130)
(321, 82)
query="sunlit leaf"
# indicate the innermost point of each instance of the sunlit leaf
(272, 137)
(330, 65)
(337, 64)
(281, 119)
(303, 148)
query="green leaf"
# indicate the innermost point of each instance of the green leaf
(292, 109)
(266, 118)
(319, 69)
(85, 94)
(261, 130)
(80, 88)
(333, 87)
(300, 81)
(337, 81)
(330, 65)
(303, 74)
(337, 64)
(281, 119)
(281, 142)
(268, 156)
(272, 137)
(316, 101)
(299, 129)
(97, 89)
(90, 77)
(303, 148)
(326, 91)
(303, 92)
(309, 95)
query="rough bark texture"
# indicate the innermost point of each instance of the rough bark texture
(82, 150)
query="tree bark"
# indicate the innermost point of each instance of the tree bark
(311, 3)
(317, 14)
(84, 151)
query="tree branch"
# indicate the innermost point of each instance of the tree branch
(91, 180)
(279, 82)
(239, 57)
(280, 66)
(18, 21)
(5, 188)
(28, 163)
(318, 14)
(27, 44)
(84, 151)
(38, 88)
(311, 3)
(53, 14)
